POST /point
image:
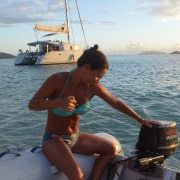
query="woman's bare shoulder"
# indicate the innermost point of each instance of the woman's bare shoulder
(96, 88)
(52, 85)
(60, 77)
(101, 91)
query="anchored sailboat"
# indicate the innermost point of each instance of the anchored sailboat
(51, 52)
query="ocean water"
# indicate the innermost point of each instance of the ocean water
(149, 84)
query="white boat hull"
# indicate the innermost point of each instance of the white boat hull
(52, 57)
(59, 57)
(33, 165)
(126, 171)
(25, 59)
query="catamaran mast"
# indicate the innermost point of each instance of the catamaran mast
(67, 19)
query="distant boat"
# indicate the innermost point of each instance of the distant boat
(51, 52)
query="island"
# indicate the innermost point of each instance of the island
(157, 53)
(6, 55)
(151, 53)
(175, 52)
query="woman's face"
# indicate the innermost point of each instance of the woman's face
(96, 75)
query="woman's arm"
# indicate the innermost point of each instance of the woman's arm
(40, 99)
(45, 97)
(118, 104)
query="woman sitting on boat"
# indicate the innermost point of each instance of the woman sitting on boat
(66, 96)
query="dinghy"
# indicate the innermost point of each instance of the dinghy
(145, 163)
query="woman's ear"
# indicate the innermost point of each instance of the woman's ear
(88, 66)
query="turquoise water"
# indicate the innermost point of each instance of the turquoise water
(149, 84)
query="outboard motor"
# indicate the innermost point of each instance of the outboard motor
(153, 147)
(156, 144)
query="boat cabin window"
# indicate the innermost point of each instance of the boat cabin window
(44, 48)
(55, 48)
(50, 48)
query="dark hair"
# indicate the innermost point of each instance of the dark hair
(94, 57)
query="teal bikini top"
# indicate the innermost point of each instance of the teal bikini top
(79, 110)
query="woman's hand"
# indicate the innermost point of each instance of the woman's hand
(69, 103)
(148, 123)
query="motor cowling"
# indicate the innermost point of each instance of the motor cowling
(162, 139)
(155, 145)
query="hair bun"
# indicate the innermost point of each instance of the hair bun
(94, 48)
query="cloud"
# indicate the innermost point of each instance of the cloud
(29, 11)
(107, 22)
(130, 13)
(166, 10)
(106, 11)
(6, 26)
(134, 48)
(175, 47)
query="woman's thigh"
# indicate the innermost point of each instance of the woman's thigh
(89, 144)
(60, 155)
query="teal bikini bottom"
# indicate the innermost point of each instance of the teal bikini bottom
(69, 139)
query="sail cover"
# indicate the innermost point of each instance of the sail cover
(56, 29)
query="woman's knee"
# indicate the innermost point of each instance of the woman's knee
(111, 149)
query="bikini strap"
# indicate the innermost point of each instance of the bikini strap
(67, 81)
(89, 90)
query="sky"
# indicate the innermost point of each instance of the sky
(117, 26)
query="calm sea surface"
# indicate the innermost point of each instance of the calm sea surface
(149, 84)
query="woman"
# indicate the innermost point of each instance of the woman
(66, 96)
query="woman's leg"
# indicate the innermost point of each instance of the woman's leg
(61, 156)
(91, 144)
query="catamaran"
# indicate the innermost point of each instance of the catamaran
(51, 51)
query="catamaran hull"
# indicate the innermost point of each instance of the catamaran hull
(25, 59)
(59, 57)
(53, 57)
